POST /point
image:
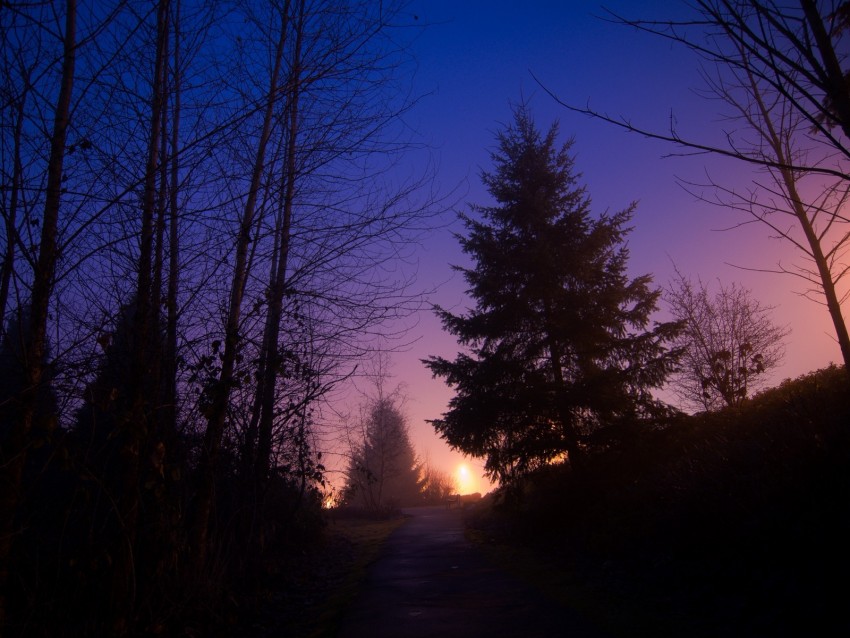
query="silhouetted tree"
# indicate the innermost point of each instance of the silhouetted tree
(318, 226)
(436, 485)
(728, 342)
(317, 222)
(17, 442)
(382, 471)
(232, 184)
(777, 71)
(219, 389)
(557, 345)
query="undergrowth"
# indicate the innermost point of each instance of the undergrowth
(728, 523)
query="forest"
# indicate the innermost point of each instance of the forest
(209, 217)
(202, 238)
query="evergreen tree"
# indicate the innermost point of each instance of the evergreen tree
(383, 472)
(557, 347)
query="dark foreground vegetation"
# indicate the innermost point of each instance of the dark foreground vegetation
(310, 593)
(197, 201)
(732, 523)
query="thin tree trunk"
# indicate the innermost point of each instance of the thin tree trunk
(134, 430)
(568, 430)
(827, 284)
(12, 214)
(278, 287)
(170, 355)
(161, 212)
(790, 182)
(14, 456)
(834, 81)
(221, 391)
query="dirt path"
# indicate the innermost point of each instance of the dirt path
(430, 581)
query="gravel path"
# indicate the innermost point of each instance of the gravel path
(430, 581)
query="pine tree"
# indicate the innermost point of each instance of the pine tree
(557, 347)
(383, 471)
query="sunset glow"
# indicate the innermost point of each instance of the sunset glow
(466, 483)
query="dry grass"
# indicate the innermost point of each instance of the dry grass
(308, 601)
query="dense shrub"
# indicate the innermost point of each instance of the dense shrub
(738, 518)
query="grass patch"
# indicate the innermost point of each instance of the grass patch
(310, 596)
(360, 542)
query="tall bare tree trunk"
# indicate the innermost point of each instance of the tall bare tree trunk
(15, 454)
(833, 304)
(221, 391)
(170, 354)
(134, 425)
(789, 181)
(833, 78)
(278, 284)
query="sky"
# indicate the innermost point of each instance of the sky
(475, 59)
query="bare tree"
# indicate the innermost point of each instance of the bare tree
(220, 391)
(219, 225)
(17, 84)
(729, 343)
(775, 66)
(323, 277)
(16, 442)
(437, 485)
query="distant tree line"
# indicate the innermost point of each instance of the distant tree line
(196, 209)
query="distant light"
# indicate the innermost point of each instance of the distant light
(466, 483)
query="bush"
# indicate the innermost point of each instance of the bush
(734, 520)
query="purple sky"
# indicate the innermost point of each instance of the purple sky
(476, 57)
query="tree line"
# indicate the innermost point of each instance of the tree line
(197, 207)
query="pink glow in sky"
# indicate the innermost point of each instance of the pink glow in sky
(477, 57)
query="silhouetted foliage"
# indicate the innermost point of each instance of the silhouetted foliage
(729, 342)
(106, 425)
(193, 200)
(37, 541)
(559, 345)
(724, 523)
(775, 70)
(13, 381)
(436, 485)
